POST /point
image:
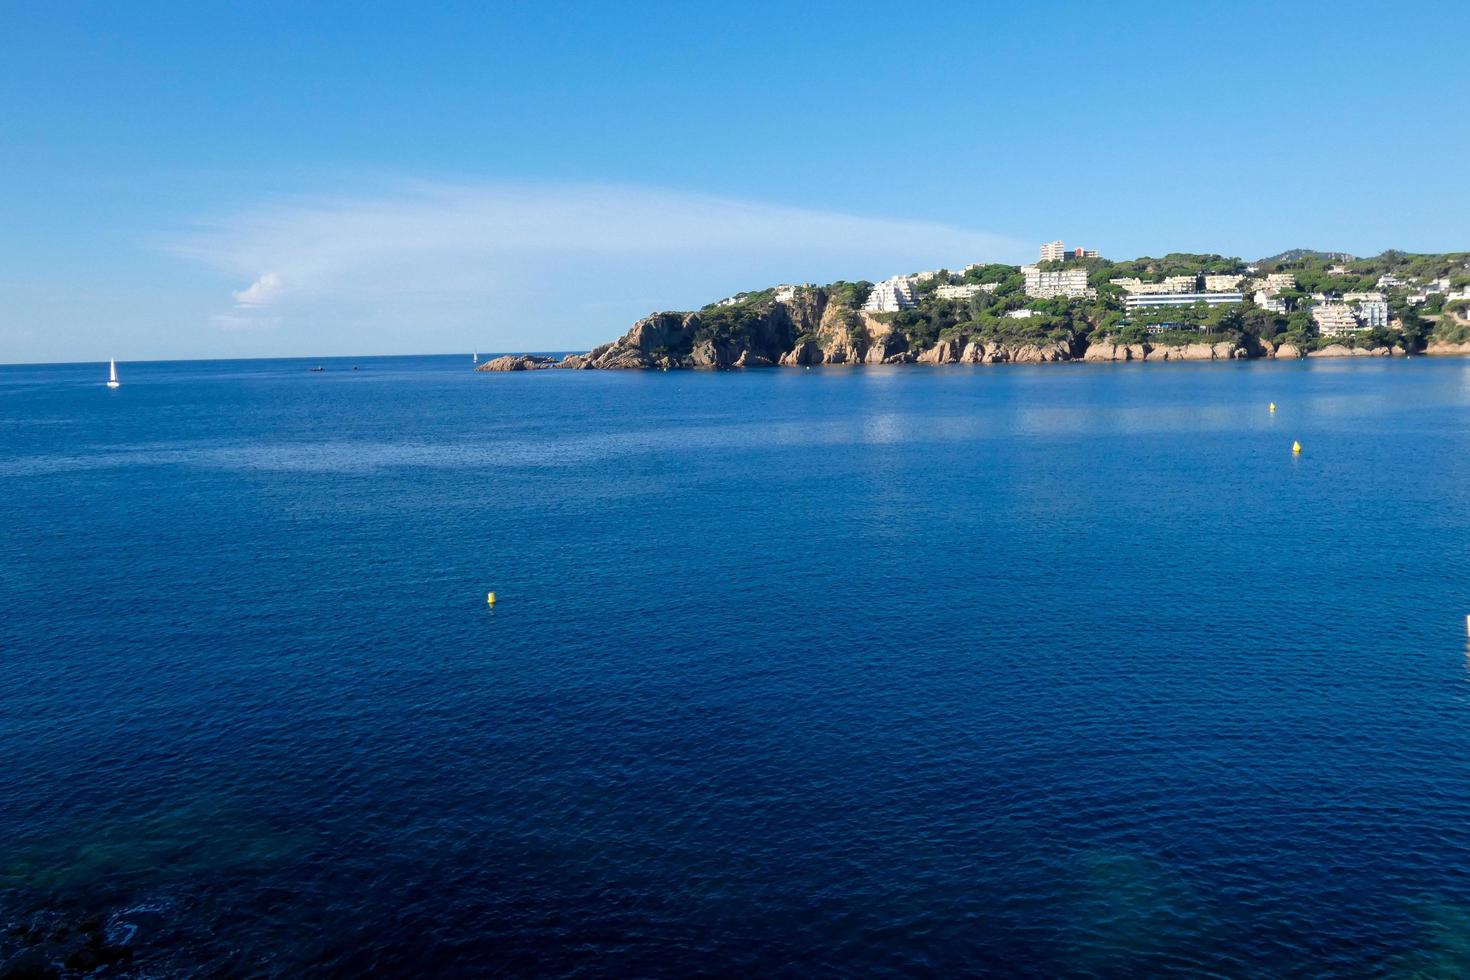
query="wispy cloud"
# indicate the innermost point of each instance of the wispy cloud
(260, 292)
(528, 261)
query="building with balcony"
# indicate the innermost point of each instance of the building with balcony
(965, 290)
(1373, 313)
(1269, 301)
(1222, 283)
(1071, 283)
(1335, 319)
(892, 295)
(1148, 301)
(1053, 252)
(1173, 284)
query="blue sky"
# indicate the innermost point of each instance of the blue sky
(195, 180)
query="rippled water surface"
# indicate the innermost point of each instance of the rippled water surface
(1068, 670)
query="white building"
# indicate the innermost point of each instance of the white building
(1053, 252)
(1335, 319)
(892, 295)
(1021, 314)
(1269, 301)
(1173, 284)
(1221, 283)
(1181, 299)
(785, 293)
(1280, 280)
(965, 290)
(1071, 283)
(1390, 281)
(1373, 313)
(1362, 297)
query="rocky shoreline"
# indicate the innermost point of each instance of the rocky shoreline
(811, 330)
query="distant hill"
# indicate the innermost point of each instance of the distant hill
(1298, 254)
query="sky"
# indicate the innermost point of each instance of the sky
(193, 179)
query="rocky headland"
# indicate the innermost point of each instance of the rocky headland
(814, 330)
(1179, 307)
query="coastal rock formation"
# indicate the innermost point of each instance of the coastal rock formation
(1343, 350)
(805, 330)
(820, 326)
(1226, 351)
(993, 313)
(1445, 348)
(962, 349)
(1107, 350)
(713, 338)
(518, 362)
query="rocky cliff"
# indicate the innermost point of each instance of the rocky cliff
(1107, 349)
(813, 328)
(808, 330)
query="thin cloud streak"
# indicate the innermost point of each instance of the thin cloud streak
(539, 257)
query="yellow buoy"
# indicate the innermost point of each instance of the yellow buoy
(490, 599)
(1273, 406)
(1296, 447)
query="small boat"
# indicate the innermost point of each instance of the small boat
(317, 368)
(475, 358)
(112, 381)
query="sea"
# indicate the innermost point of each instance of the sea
(1054, 670)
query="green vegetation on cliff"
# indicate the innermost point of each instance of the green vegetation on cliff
(1425, 293)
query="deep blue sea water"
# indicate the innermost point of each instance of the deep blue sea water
(1063, 670)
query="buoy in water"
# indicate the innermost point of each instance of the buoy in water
(1296, 448)
(490, 599)
(1273, 406)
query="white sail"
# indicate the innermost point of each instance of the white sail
(112, 373)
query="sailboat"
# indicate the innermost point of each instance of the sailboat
(475, 358)
(112, 381)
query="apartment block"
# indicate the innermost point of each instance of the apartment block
(1071, 283)
(1147, 300)
(1335, 319)
(1373, 313)
(1268, 300)
(964, 290)
(892, 295)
